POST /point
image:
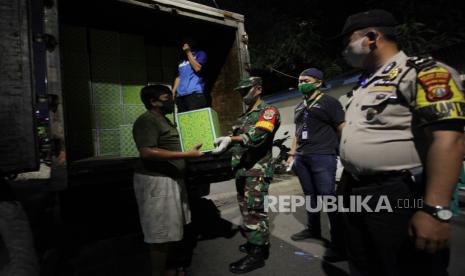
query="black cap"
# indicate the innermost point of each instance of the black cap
(371, 18)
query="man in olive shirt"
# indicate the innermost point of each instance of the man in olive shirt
(159, 177)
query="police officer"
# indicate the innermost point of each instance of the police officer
(251, 145)
(403, 141)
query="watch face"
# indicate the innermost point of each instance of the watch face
(444, 214)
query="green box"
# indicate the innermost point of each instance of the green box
(109, 142)
(104, 42)
(131, 93)
(106, 92)
(198, 127)
(132, 112)
(108, 116)
(127, 145)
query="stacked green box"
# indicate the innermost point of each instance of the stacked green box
(169, 63)
(106, 92)
(73, 39)
(198, 127)
(104, 42)
(132, 112)
(108, 116)
(108, 142)
(104, 73)
(154, 64)
(77, 91)
(131, 93)
(127, 146)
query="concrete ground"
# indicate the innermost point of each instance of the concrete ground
(129, 256)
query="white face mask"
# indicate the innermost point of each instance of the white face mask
(355, 54)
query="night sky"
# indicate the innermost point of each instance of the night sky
(292, 35)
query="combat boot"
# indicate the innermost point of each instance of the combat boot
(255, 259)
(245, 248)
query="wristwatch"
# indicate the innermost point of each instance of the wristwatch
(441, 213)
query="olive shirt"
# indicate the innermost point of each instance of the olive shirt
(154, 130)
(388, 109)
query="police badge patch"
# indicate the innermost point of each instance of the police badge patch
(268, 114)
(389, 67)
(436, 84)
(267, 120)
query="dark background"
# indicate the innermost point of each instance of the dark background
(292, 35)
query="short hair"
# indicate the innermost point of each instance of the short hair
(153, 91)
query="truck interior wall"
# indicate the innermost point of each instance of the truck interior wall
(111, 49)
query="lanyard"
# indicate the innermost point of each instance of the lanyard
(307, 108)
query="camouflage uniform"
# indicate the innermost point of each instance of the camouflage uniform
(251, 163)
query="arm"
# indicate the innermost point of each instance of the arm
(157, 153)
(339, 128)
(444, 156)
(443, 164)
(446, 149)
(292, 152)
(175, 86)
(194, 63)
(264, 127)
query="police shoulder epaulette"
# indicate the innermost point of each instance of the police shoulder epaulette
(421, 63)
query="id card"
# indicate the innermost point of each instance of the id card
(304, 135)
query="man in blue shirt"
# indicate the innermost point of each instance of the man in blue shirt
(189, 86)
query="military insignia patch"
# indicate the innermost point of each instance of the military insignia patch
(267, 120)
(436, 84)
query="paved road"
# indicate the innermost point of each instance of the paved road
(128, 256)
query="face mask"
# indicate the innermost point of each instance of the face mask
(355, 54)
(250, 98)
(307, 88)
(168, 106)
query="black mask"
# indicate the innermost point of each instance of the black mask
(168, 106)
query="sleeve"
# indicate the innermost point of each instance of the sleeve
(439, 95)
(265, 126)
(337, 114)
(145, 134)
(201, 57)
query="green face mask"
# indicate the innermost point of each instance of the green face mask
(307, 88)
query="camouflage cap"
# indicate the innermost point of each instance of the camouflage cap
(248, 82)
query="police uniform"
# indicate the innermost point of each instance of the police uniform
(387, 110)
(251, 161)
(383, 147)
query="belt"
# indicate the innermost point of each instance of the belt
(380, 176)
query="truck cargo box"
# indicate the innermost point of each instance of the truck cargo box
(111, 49)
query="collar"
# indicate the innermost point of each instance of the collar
(259, 108)
(384, 70)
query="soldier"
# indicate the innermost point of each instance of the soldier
(403, 140)
(252, 141)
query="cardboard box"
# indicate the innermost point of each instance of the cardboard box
(198, 127)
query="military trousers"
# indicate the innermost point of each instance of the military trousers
(378, 242)
(251, 192)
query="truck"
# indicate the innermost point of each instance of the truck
(70, 76)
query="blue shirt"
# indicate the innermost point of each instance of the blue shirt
(189, 80)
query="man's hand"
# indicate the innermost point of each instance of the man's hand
(186, 47)
(221, 144)
(290, 160)
(61, 159)
(194, 152)
(428, 233)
